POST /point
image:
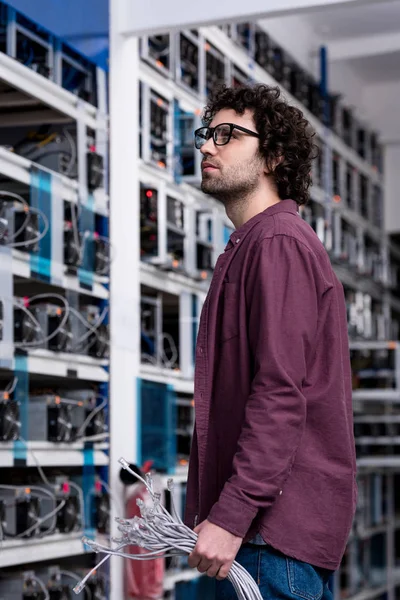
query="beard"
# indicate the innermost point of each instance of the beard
(234, 183)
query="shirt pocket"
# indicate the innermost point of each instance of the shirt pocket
(230, 312)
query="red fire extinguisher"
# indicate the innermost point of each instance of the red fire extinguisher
(144, 579)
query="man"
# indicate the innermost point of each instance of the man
(272, 469)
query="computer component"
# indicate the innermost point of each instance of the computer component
(21, 586)
(22, 509)
(215, 68)
(50, 148)
(56, 586)
(159, 128)
(72, 245)
(96, 342)
(68, 518)
(27, 329)
(10, 424)
(155, 49)
(50, 418)
(101, 256)
(51, 318)
(95, 170)
(19, 225)
(189, 60)
(101, 509)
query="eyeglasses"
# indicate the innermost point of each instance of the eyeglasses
(221, 134)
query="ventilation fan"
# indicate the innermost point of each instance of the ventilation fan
(68, 517)
(30, 231)
(27, 515)
(101, 257)
(102, 513)
(97, 424)
(97, 587)
(99, 342)
(62, 341)
(10, 425)
(72, 243)
(59, 422)
(26, 330)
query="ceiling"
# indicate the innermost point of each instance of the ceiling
(345, 22)
(366, 37)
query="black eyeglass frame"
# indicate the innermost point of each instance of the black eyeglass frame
(211, 134)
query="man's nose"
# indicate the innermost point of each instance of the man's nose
(209, 148)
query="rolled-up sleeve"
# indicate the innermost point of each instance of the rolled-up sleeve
(283, 288)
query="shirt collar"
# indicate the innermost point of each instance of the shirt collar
(289, 206)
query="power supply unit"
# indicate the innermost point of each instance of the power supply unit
(21, 511)
(68, 518)
(101, 257)
(10, 424)
(51, 149)
(97, 587)
(26, 231)
(27, 328)
(50, 316)
(18, 226)
(56, 587)
(53, 419)
(72, 245)
(21, 586)
(97, 342)
(95, 170)
(101, 509)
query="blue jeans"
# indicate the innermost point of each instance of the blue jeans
(278, 576)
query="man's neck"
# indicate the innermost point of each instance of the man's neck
(240, 213)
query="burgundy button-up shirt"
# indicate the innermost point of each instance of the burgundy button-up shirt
(273, 449)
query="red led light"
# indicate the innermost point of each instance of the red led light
(65, 487)
(149, 193)
(97, 486)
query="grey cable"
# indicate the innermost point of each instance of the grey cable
(163, 535)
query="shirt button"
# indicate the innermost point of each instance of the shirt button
(238, 240)
(280, 492)
(201, 350)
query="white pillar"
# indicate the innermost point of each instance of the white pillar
(125, 282)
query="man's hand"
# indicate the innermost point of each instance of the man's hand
(215, 550)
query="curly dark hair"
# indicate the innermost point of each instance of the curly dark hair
(286, 137)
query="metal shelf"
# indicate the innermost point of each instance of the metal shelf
(376, 462)
(49, 93)
(21, 268)
(16, 552)
(377, 395)
(72, 366)
(167, 281)
(18, 168)
(49, 454)
(167, 376)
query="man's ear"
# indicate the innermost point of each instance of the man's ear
(273, 163)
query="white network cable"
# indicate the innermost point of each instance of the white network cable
(162, 535)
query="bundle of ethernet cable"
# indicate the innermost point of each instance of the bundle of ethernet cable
(162, 534)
